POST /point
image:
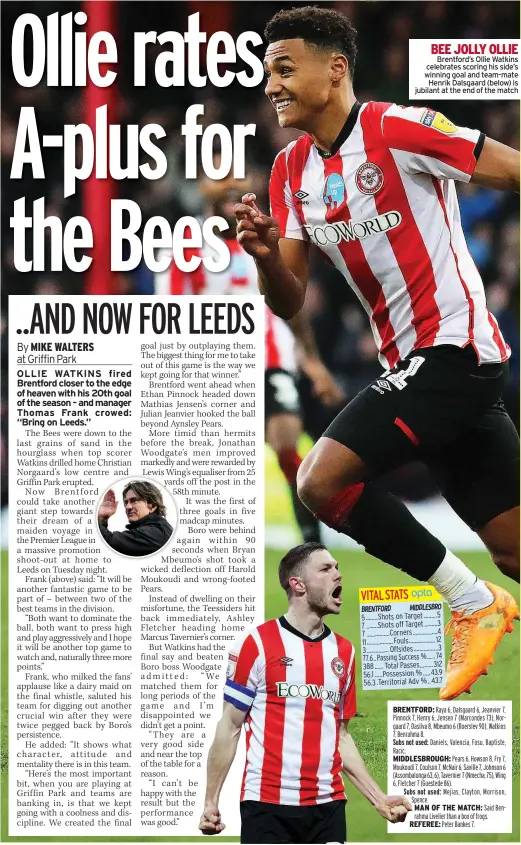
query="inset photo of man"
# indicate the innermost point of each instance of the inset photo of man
(149, 512)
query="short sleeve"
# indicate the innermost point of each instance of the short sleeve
(243, 672)
(281, 201)
(348, 699)
(425, 141)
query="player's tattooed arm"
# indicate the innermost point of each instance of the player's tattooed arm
(497, 167)
(220, 758)
(394, 808)
(282, 263)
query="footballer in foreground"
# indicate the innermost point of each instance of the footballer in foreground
(372, 186)
(291, 682)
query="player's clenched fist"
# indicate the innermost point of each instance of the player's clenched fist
(257, 233)
(210, 822)
(394, 808)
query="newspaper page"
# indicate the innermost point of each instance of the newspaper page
(259, 421)
(137, 557)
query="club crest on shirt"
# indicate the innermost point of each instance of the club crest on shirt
(369, 178)
(232, 665)
(338, 666)
(334, 191)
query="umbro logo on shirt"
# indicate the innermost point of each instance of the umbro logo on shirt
(286, 661)
(300, 196)
(381, 384)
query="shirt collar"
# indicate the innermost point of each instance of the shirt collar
(344, 132)
(288, 627)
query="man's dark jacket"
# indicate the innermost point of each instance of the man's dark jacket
(142, 537)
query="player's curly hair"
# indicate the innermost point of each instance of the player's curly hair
(292, 562)
(325, 28)
(149, 493)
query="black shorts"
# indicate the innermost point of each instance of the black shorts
(281, 393)
(263, 822)
(440, 407)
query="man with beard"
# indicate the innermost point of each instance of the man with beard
(291, 681)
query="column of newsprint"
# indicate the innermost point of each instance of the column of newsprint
(116, 661)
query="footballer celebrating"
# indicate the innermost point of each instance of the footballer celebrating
(372, 186)
(283, 343)
(291, 682)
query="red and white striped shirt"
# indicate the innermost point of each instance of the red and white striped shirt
(383, 208)
(239, 278)
(296, 691)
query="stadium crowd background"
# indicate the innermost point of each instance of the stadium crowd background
(490, 219)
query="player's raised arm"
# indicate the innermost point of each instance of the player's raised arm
(394, 808)
(220, 758)
(108, 506)
(497, 167)
(282, 263)
(423, 140)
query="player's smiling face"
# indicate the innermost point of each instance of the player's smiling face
(298, 81)
(323, 582)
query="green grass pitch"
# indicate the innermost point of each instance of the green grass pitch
(369, 729)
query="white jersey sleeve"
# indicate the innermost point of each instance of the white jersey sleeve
(281, 200)
(243, 672)
(348, 699)
(425, 141)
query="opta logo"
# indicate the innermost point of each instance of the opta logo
(369, 178)
(334, 191)
(338, 666)
(333, 233)
(285, 690)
